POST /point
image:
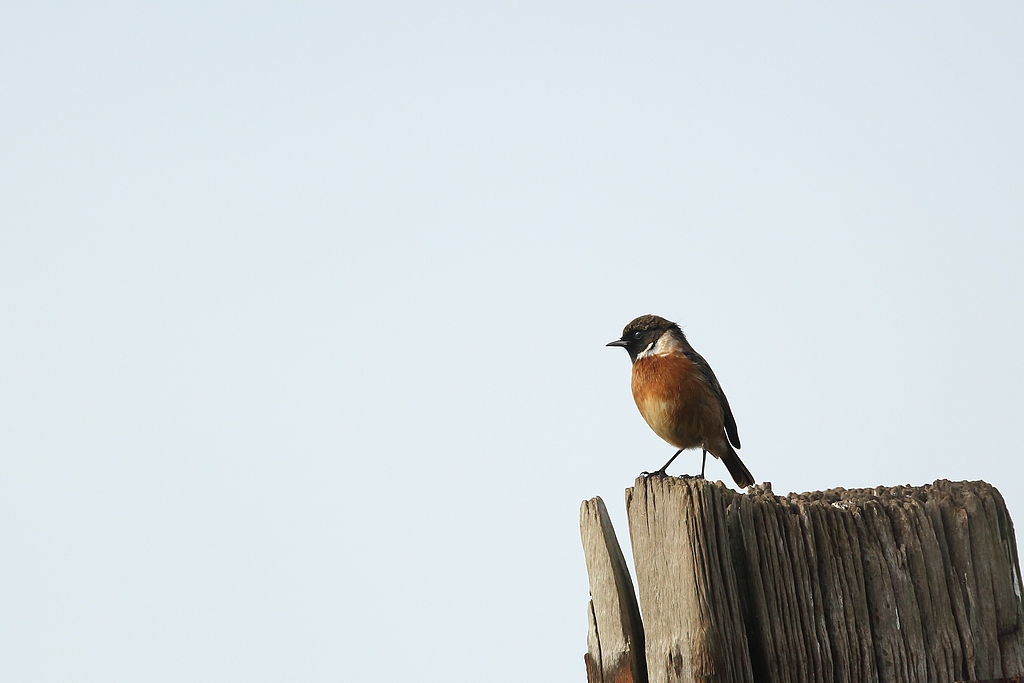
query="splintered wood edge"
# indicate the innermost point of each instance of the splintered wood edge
(615, 639)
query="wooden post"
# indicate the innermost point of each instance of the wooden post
(615, 642)
(901, 584)
(688, 592)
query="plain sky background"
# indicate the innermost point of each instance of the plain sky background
(304, 305)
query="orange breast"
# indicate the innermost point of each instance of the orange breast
(675, 400)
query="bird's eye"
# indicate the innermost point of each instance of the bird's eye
(636, 335)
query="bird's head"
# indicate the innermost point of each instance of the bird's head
(641, 337)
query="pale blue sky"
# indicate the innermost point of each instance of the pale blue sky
(302, 369)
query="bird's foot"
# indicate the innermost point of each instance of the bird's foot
(662, 473)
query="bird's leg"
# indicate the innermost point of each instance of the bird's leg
(661, 472)
(703, 462)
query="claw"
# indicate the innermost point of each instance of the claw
(659, 473)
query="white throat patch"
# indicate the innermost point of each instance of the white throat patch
(665, 345)
(649, 351)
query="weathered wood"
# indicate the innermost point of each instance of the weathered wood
(928, 575)
(680, 542)
(615, 641)
(902, 584)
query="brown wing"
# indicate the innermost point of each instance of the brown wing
(709, 377)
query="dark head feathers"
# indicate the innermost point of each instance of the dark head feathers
(649, 323)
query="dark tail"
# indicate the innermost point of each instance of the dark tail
(740, 474)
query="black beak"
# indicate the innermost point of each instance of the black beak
(618, 342)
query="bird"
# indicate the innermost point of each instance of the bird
(679, 396)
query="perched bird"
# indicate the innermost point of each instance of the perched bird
(678, 394)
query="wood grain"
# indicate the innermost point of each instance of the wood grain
(900, 584)
(680, 541)
(615, 639)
